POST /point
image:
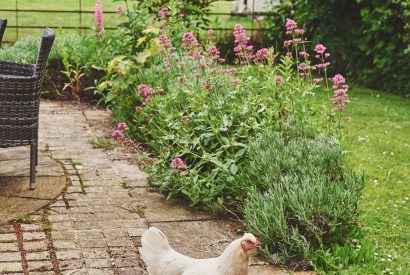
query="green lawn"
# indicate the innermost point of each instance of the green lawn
(59, 19)
(377, 141)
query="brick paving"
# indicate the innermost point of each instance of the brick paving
(89, 228)
(95, 225)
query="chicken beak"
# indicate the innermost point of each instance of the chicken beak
(257, 243)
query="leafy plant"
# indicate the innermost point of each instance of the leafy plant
(300, 198)
(369, 38)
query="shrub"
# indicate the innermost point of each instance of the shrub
(370, 38)
(299, 196)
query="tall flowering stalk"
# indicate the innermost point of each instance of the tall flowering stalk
(340, 97)
(242, 49)
(322, 55)
(98, 14)
(292, 44)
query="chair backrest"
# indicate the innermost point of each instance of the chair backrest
(45, 48)
(3, 24)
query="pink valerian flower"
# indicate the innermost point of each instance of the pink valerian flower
(207, 86)
(119, 9)
(299, 31)
(340, 99)
(138, 109)
(163, 13)
(279, 80)
(98, 15)
(164, 42)
(210, 31)
(338, 80)
(230, 71)
(304, 54)
(320, 49)
(261, 54)
(144, 90)
(242, 49)
(117, 134)
(290, 24)
(287, 43)
(189, 40)
(197, 55)
(178, 164)
(213, 52)
(323, 65)
(122, 126)
(147, 100)
(185, 120)
(303, 66)
(317, 80)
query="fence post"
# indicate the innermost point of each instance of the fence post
(80, 12)
(17, 20)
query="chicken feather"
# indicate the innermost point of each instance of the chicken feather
(162, 259)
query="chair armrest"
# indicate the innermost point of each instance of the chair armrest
(16, 69)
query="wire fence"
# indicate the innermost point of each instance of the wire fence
(26, 17)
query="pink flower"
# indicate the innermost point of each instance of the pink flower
(119, 9)
(299, 31)
(317, 80)
(144, 90)
(98, 14)
(231, 71)
(210, 31)
(207, 86)
(279, 80)
(189, 41)
(340, 99)
(303, 66)
(138, 109)
(185, 120)
(178, 164)
(197, 55)
(122, 126)
(163, 13)
(338, 80)
(147, 100)
(242, 49)
(290, 24)
(303, 54)
(327, 55)
(261, 54)
(287, 43)
(164, 42)
(213, 51)
(323, 65)
(320, 49)
(117, 134)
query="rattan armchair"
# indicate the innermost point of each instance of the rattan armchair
(3, 24)
(20, 88)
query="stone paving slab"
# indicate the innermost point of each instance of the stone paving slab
(95, 225)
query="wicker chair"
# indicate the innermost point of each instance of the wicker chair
(20, 88)
(3, 24)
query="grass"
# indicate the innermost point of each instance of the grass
(377, 141)
(102, 143)
(60, 19)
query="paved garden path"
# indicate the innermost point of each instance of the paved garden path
(94, 226)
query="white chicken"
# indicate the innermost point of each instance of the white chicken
(161, 259)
